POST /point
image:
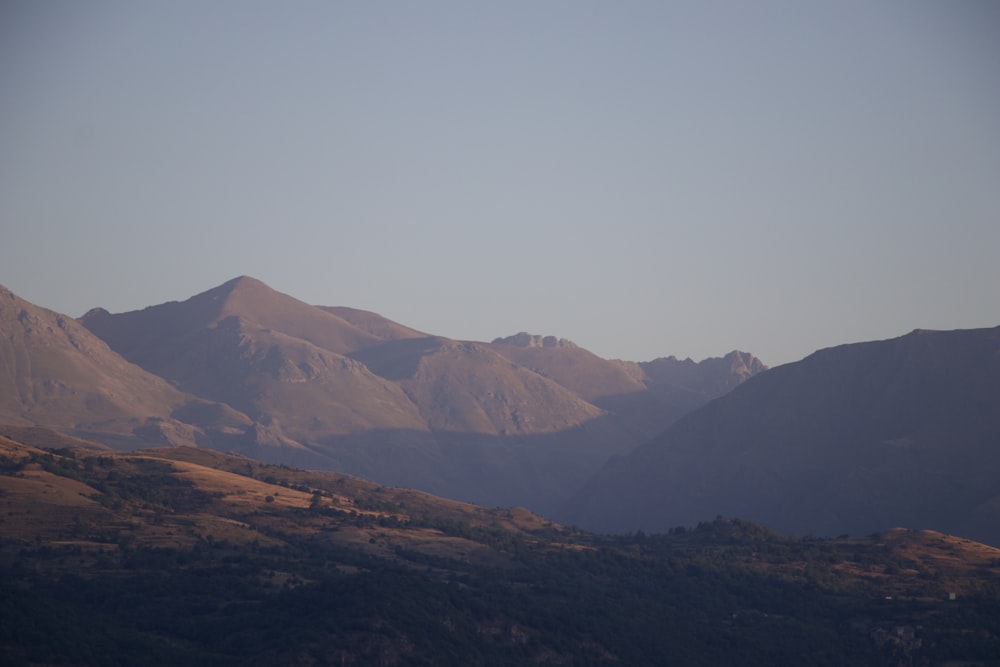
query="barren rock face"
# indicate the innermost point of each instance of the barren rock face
(524, 339)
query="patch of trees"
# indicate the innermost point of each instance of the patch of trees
(152, 485)
(218, 604)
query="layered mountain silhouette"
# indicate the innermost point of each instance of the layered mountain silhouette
(646, 396)
(272, 357)
(852, 439)
(244, 368)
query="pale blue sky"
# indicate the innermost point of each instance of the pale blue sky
(644, 178)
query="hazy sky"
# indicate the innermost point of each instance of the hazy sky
(644, 178)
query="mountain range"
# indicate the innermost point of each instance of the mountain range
(851, 439)
(523, 420)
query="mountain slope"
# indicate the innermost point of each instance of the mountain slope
(373, 323)
(467, 387)
(646, 397)
(852, 439)
(676, 387)
(345, 389)
(266, 354)
(54, 372)
(575, 368)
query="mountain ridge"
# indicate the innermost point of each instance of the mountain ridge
(852, 438)
(529, 419)
(329, 386)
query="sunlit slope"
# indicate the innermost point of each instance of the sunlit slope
(180, 496)
(54, 372)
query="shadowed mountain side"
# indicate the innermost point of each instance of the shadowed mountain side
(709, 377)
(538, 471)
(649, 412)
(399, 359)
(674, 388)
(852, 439)
(152, 335)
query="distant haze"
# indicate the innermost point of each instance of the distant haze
(642, 178)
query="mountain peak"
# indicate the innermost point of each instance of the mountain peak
(242, 282)
(524, 339)
(744, 363)
(239, 286)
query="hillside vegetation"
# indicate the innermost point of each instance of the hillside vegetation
(189, 556)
